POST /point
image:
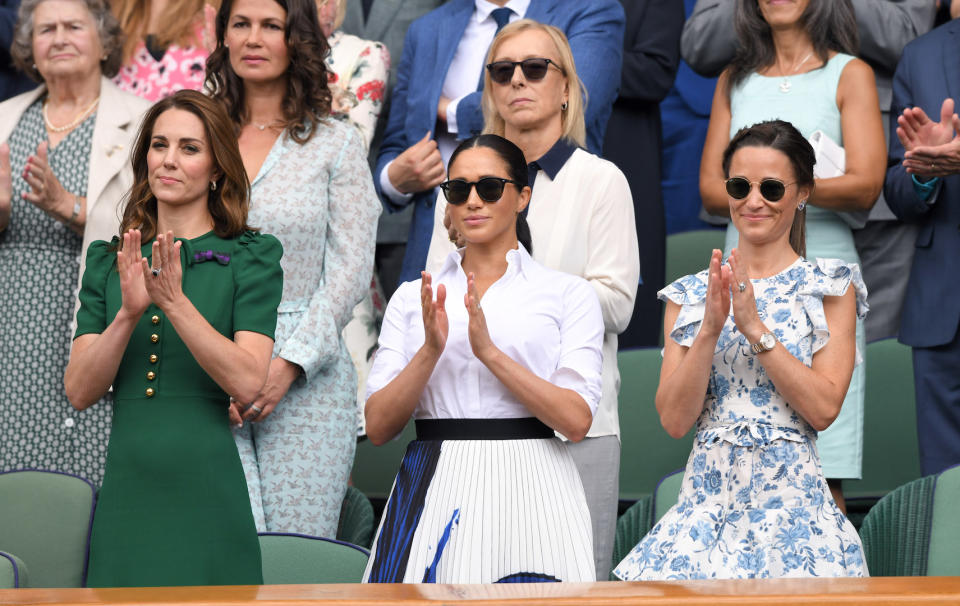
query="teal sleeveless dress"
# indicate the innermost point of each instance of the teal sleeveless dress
(811, 105)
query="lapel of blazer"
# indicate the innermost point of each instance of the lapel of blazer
(14, 108)
(951, 61)
(382, 14)
(108, 152)
(451, 31)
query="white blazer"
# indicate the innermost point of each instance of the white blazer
(111, 176)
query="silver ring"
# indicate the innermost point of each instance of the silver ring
(256, 408)
(156, 271)
(933, 166)
(742, 286)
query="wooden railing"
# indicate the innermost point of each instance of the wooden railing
(774, 592)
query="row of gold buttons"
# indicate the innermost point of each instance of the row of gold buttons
(154, 338)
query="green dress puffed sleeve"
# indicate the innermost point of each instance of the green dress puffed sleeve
(101, 260)
(259, 283)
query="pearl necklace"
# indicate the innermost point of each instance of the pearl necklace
(80, 117)
(785, 85)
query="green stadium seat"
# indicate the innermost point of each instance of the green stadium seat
(13, 572)
(666, 494)
(647, 451)
(914, 530)
(45, 518)
(891, 455)
(632, 526)
(290, 559)
(375, 467)
(356, 519)
(689, 252)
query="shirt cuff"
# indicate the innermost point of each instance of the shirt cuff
(925, 189)
(396, 196)
(452, 115)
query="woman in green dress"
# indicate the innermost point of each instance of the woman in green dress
(179, 317)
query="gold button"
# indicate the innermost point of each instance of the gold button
(155, 319)
(149, 392)
(154, 338)
(151, 376)
(153, 358)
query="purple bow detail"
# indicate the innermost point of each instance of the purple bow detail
(209, 255)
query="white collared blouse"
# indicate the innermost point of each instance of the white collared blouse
(550, 322)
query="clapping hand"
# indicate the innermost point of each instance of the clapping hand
(436, 326)
(135, 299)
(163, 278)
(480, 341)
(932, 148)
(717, 306)
(46, 193)
(743, 301)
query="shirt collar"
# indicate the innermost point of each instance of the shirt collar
(518, 261)
(483, 8)
(552, 161)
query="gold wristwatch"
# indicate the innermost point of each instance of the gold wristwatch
(767, 342)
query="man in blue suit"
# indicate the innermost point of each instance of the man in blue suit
(923, 187)
(436, 101)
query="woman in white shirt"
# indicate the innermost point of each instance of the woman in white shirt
(581, 223)
(487, 493)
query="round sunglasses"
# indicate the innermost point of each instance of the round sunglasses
(772, 190)
(533, 69)
(490, 189)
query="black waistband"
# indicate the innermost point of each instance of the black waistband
(527, 428)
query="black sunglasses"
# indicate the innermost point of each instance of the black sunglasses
(490, 189)
(534, 69)
(771, 189)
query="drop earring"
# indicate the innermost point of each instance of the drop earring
(213, 186)
(563, 106)
(802, 205)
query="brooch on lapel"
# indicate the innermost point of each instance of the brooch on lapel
(209, 255)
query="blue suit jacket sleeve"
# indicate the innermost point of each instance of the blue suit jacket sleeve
(651, 58)
(394, 136)
(898, 188)
(595, 32)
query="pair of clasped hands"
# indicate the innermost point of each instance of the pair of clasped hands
(723, 293)
(436, 325)
(931, 149)
(142, 283)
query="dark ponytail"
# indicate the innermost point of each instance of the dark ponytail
(516, 167)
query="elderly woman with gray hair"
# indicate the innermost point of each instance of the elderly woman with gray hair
(63, 172)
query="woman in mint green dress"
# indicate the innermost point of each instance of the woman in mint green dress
(796, 63)
(178, 317)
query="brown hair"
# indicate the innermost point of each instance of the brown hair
(307, 101)
(572, 119)
(108, 31)
(786, 139)
(177, 25)
(228, 204)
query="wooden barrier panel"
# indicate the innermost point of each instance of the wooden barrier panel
(770, 592)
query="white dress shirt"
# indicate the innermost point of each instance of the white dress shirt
(547, 321)
(462, 77)
(581, 223)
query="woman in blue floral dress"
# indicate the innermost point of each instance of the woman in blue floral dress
(769, 339)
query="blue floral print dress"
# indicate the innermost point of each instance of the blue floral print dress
(754, 502)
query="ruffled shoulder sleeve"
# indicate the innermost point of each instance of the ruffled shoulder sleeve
(92, 315)
(259, 283)
(829, 278)
(690, 293)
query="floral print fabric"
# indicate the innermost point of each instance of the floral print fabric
(180, 67)
(357, 78)
(754, 503)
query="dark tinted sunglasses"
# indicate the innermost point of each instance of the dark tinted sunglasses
(501, 72)
(771, 189)
(490, 189)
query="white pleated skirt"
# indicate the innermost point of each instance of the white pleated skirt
(484, 511)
